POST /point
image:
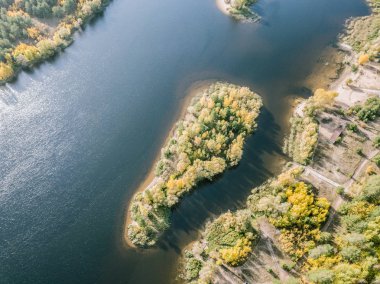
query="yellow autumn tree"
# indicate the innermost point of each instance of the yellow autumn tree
(33, 32)
(322, 98)
(363, 59)
(300, 224)
(25, 54)
(238, 253)
(6, 72)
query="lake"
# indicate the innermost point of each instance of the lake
(79, 133)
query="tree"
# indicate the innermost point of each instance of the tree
(371, 190)
(363, 59)
(323, 98)
(350, 254)
(6, 72)
(326, 250)
(46, 48)
(238, 253)
(321, 276)
(25, 55)
(376, 160)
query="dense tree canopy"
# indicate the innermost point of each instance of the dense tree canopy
(208, 140)
(353, 254)
(292, 207)
(33, 30)
(227, 240)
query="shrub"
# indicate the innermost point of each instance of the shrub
(192, 267)
(363, 59)
(6, 72)
(292, 280)
(288, 265)
(338, 140)
(228, 229)
(321, 250)
(325, 237)
(369, 111)
(352, 127)
(350, 253)
(371, 190)
(238, 253)
(340, 190)
(376, 160)
(321, 276)
(376, 142)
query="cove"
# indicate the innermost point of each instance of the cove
(79, 133)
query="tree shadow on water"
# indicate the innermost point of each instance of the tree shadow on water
(227, 191)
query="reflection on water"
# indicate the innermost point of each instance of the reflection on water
(78, 133)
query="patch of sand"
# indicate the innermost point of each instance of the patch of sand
(364, 83)
(223, 6)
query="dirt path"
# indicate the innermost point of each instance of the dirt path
(339, 200)
(309, 170)
(336, 204)
(267, 234)
(359, 169)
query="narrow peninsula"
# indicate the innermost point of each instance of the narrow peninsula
(238, 9)
(208, 140)
(33, 31)
(318, 221)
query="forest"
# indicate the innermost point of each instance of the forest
(34, 30)
(297, 208)
(348, 255)
(205, 143)
(286, 202)
(303, 137)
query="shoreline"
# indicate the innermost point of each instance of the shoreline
(222, 6)
(351, 80)
(150, 179)
(76, 21)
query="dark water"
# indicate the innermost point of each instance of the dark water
(78, 133)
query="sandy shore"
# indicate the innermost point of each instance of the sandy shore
(355, 87)
(150, 179)
(222, 6)
(352, 87)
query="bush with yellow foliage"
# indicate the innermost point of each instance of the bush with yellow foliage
(322, 98)
(6, 72)
(238, 253)
(363, 59)
(26, 55)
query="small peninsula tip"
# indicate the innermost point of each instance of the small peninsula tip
(238, 9)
